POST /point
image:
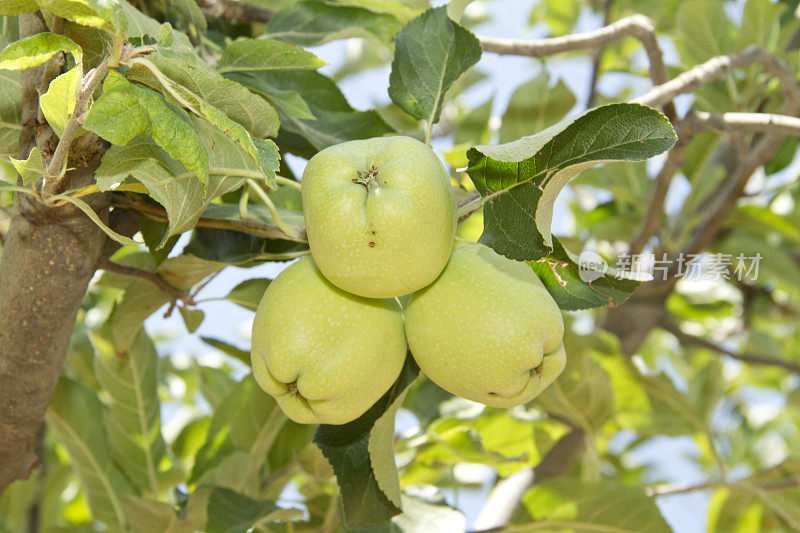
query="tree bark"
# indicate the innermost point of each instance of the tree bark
(49, 257)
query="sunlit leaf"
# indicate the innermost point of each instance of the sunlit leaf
(247, 55)
(431, 52)
(520, 180)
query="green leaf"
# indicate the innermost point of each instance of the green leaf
(153, 231)
(334, 120)
(534, 106)
(58, 102)
(747, 502)
(231, 512)
(215, 385)
(185, 270)
(583, 393)
(92, 214)
(248, 293)
(559, 15)
(10, 112)
(191, 12)
(704, 31)
(30, 169)
(126, 110)
(157, 516)
(312, 23)
(229, 349)
(17, 7)
(192, 318)
(238, 248)
(651, 403)
(422, 517)
(760, 24)
(474, 127)
(247, 421)
(247, 55)
(34, 50)
(519, 181)
(362, 455)
(134, 421)
(142, 28)
(431, 52)
(239, 136)
(168, 182)
(561, 275)
(118, 116)
(269, 159)
(172, 130)
(76, 417)
(580, 506)
(207, 85)
(101, 14)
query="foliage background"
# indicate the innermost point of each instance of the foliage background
(673, 413)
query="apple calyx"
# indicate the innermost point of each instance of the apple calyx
(367, 177)
(292, 390)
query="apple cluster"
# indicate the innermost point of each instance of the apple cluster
(330, 335)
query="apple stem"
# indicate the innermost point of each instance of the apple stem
(367, 177)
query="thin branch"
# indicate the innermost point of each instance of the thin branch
(745, 357)
(656, 207)
(88, 84)
(253, 227)
(637, 26)
(173, 293)
(672, 489)
(598, 56)
(719, 67)
(748, 122)
(235, 12)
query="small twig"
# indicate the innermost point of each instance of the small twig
(87, 86)
(655, 208)
(598, 56)
(288, 230)
(235, 12)
(253, 227)
(745, 357)
(637, 26)
(719, 67)
(287, 182)
(174, 294)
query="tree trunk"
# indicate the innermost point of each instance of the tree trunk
(49, 256)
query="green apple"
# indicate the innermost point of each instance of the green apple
(487, 329)
(324, 354)
(380, 215)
